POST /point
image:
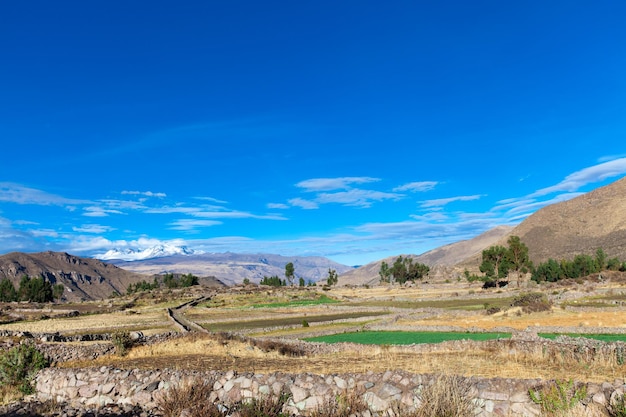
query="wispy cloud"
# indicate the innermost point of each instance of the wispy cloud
(145, 194)
(93, 228)
(340, 191)
(277, 206)
(440, 202)
(98, 211)
(589, 175)
(19, 194)
(356, 197)
(329, 184)
(192, 225)
(304, 204)
(419, 186)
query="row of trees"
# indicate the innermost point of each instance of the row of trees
(580, 266)
(275, 281)
(36, 290)
(402, 270)
(169, 281)
(499, 262)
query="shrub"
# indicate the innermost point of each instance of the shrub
(19, 365)
(617, 406)
(264, 406)
(532, 302)
(343, 405)
(447, 396)
(191, 400)
(122, 342)
(558, 398)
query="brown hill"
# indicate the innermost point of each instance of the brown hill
(581, 225)
(440, 260)
(83, 278)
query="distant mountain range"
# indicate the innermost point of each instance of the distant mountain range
(157, 251)
(233, 268)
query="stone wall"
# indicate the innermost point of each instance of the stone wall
(97, 387)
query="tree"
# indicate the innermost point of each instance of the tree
(549, 271)
(7, 291)
(495, 263)
(518, 259)
(301, 282)
(384, 272)
(332, 278)
(403, 270)
(273, 281)
(36, 290)
(188, 280)
(600, 260)
(289, 272)
(57, 291)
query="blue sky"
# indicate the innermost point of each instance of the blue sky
(354, 130)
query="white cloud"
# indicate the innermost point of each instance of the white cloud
(578, 179)
(329, 184)
(419, 186)
(97, 211)
(93, 228)
(191, 225)
(18, 194)
(356, 197)
(212, 200)
(440, 202)
(278, 206)
(304, 204)
(145, 194)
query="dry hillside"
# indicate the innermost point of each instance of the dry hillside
(581, 225)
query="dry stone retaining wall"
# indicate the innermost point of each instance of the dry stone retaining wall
(97, 387)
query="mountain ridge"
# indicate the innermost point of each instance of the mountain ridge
(232, 268)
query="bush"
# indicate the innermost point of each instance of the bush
(617, 406)
(343, 405)
(192, 399)
(532, 302)
(264, 406)
(448, 395)
(19, 365)
(558, 398)
(122, 342)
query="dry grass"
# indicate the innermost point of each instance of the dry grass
(137, 319)
(203, 352)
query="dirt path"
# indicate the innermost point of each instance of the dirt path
(176, 314)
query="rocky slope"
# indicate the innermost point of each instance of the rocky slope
(83, 278)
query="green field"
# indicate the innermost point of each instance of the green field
(601, 337)
(322, 299)
(404, 338)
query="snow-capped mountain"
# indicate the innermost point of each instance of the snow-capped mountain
(157, 251)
